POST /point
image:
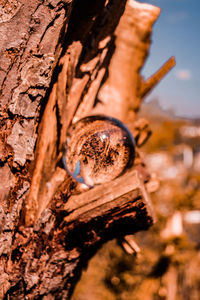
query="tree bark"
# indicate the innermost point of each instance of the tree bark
(61, 61)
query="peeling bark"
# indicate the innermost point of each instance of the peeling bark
(61, 61)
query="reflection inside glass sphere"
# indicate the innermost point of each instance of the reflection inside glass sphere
(98, 149)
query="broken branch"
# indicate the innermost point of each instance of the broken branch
(152, 81)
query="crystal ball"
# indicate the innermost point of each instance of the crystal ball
(98, 149)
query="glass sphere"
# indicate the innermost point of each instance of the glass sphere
(98, 149)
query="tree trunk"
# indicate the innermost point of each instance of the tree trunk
(61, 61)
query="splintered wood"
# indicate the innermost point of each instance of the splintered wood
(70, 59)
(110, 199)
(81, 71)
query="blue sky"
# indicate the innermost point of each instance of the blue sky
(177, 32)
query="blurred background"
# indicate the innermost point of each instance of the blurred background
(164, 262)
(176, 32)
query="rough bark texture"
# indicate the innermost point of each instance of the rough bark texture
(60, 61)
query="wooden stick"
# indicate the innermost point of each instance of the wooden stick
(152, 81)
(124, 190)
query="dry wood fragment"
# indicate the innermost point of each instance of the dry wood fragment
(130, 245)
(109, 196)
